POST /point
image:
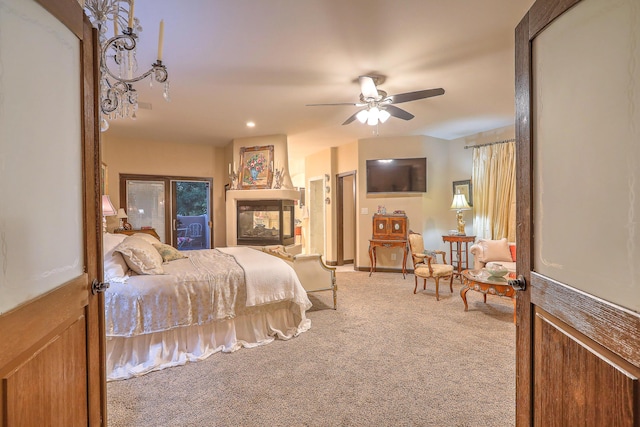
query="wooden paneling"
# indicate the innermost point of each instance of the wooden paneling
(577, 381)
(49, 388)
(43, 358)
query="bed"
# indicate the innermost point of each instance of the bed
(166, 308)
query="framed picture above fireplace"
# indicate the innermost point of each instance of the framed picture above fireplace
(256, 167)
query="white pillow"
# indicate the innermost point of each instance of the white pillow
(140, 255)
(148, 237)
(115, 267)
(494, 250)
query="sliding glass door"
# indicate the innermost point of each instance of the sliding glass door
(145, 202)
(191, 214)
(177, 208)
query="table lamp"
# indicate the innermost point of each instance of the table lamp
(122, 215)
(460, 204)
(107, 210)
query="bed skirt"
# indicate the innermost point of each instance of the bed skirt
(133, 356)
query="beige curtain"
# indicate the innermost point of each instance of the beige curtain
(494, 191)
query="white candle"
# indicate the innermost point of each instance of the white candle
(131, 15)
(115, 24)
(229, 168)
(160, 40)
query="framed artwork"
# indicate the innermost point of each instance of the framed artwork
(464, 187)
(103, 179)
(256, 167)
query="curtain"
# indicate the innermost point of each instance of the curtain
(494, 191)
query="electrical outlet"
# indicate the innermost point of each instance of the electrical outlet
(393, 257)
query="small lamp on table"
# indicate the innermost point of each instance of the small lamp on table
(460, 204)
(107, 210)
(122, 215)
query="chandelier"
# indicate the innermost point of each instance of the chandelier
(118, 64)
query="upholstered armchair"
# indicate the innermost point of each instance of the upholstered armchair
(499, 251)
(425, 264)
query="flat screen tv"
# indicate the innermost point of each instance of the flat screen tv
(397, 175)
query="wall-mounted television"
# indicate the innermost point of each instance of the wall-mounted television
(397, 175)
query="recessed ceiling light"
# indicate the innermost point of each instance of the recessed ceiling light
(251, 124)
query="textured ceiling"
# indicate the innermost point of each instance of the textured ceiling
(231, 61)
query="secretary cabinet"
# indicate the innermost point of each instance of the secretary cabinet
(389, 231)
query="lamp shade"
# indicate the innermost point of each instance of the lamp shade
(122, 213)
(107, 206)
(460, 203)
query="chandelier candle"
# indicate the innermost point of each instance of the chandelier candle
(160, 40)
(131, 15)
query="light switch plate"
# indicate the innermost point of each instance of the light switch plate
(364, 211)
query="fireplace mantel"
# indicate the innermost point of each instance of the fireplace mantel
(231, 206)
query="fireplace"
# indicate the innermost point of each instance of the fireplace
(265, 222)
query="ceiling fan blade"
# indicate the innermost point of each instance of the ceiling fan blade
(351, 118)
(412, 96)
(368, 87)
(356, 104)
(399, 112)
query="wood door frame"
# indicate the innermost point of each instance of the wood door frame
(340, 216)
(607, 328)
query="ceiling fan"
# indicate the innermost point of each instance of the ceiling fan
(378, 105)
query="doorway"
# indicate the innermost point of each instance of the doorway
(346, 215)
(317, 216)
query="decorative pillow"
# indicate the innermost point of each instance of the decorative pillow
(147, 237)
(140, 255)
(168, 252)
(115, 267)
(512, 248)
(433, 255)
(494, 250)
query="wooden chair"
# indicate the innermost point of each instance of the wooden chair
(425, 264)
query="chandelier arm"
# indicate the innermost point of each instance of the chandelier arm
(128, 42)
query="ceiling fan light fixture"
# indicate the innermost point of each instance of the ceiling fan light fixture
(383, 116)
(362, 116)
(372, 120)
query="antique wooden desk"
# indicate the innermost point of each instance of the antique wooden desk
(389, 231)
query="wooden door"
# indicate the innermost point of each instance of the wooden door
(578, 168)
(51, 340)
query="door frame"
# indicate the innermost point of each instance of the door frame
(340, 202)
(602, 328)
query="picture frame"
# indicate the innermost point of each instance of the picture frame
(256, 167)
(464, 187)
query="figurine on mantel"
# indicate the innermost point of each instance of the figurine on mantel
(233, 176)
(278, 176)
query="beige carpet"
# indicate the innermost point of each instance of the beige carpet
(385, 357)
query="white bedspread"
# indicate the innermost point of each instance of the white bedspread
(268, 278)
(207, 286)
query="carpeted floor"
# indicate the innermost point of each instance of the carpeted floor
(385, 357)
